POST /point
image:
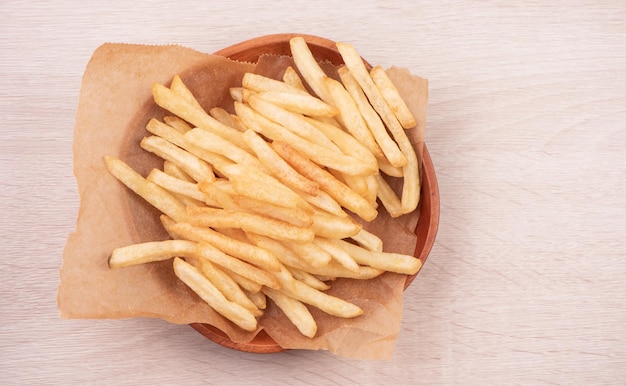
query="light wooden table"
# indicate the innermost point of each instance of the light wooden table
(527, 130)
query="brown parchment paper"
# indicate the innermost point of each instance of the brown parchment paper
(114, 106)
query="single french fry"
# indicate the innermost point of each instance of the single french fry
(308, 67)
(329, 304)
(226, 118)
(216, 197)
(192, 165)
(177, 123)
(286, 256)
(325, 202)
(311, 253)
(180, 88)
(330, 225)
(299, 103)
(175, 171)
(203, 287)
(337, 252)
(175, 185)
(391, 95)
(368, 240)
(388, 146)
(391, 262)
(260, 83)
(258, 299)
(350, 116)
(236, 93)
(294, 215)
(292, 78)
(228, 286)
(388, 168)
(241, 250)
(224, 218)
(152, 193)
(150, 252)
(335, 270)
(308, 279)
(388, 197)
(250, 286)
(340, 192)
(295, 311)
(277, 166)
(247, 270)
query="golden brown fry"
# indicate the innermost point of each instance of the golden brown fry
(192, 165)
(295, 215)
(337, 252)
(368, 240)
(250, 286)
(295, 311)
(260, 83)
(150, 252)
(340, 192)
(330, 225)
(277, 166)
(226, 118)
(329, 304)
(175, 185)
(391, 262)
(152, 193)
(213, 297)
(391, 95)
(308, 279)
(247, 270)
(258, 298)
(311, 253)
(388, 197)
(241, 250)
(292, 78)
(216, 196)
(299, 103)
(224, 218)
(389, 169)
(216, 144)
(177, 123)
(183, 91)
(173, 170)
(325, 202)
(309, 68)
(227, 286)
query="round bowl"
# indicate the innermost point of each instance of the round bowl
(426, 229)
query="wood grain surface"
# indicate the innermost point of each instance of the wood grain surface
(526, 128)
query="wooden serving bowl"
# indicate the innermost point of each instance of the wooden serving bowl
(324, 49)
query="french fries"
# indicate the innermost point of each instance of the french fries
(260, 204)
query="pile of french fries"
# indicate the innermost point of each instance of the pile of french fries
(261, 203)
